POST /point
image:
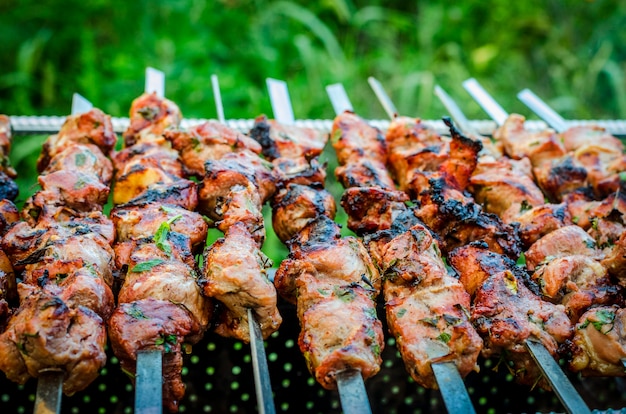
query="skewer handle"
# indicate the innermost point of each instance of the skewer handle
(49, 387)
(262, 384)
(486, 101)
(149, 383)
(281, 103)
(383, 97)
(454, 110)
(572, 401)
(339, 98)
(539, 107)
(155, 82)
(352, 392)
(217, 97)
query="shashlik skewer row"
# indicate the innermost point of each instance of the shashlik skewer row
(235, 185)
(427, 138)
(63, 249)
(160, 306)
(416, 286)
(330, 279)
(569, 268)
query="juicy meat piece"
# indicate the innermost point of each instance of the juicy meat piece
(541, 220)
(134, 223)
(287, 141)
(565, 241)
(577, 282)
(364, 173)
(234, 273)
(427, 310)
(150, 117)
(560, 176)
(242, 206)
(92, 128)
(86, 158)
(9, 214)
(506, 314)
(372, 209)
(353, 139)
(153, 274)
(599, 344)
(147, 154)
(297, 205)
(208, 141)
(615, 260)
(299, 171)
(46, 333)
(243, 168)
(179, 192)
(458, 220)
(154, 325)
(72, 189)
(505, 187)
(460, 165)
(334, 285)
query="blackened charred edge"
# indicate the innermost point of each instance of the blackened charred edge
(260, 132)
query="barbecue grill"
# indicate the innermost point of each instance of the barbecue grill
(218, 373)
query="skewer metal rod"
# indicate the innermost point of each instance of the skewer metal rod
(453, 391)
(217, 96)
(339, 98)
(572, 401)
(383, 97)
(489, 105)
(149, 383)
(262, 383)
(543, 110)
(49, 387)
(454, 110)
(281, 103)
(149, 370)
(352, 392)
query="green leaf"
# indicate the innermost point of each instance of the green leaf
(444, 337)
(147, 265)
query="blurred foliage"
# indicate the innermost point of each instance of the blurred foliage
(570, 52)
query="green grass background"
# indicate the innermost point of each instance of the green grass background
(570, 52)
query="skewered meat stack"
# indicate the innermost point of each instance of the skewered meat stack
(62, 250)
(8, 215)
(236, 182)
(578, 263)
(331, 279)
(160, 306)
(427, 310)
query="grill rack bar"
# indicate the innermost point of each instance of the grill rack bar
(27, 124)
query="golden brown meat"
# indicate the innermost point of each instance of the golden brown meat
(599, 344)
(235, 274)
(541, 220)
(353, 139)
(297, 205)
(151, 324)
(562, 242)
(334, 285)
(150, 117)
(208, 141)
(427, 310)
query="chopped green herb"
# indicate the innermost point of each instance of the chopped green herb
(444, 337)
(135, 312)
(464, 310)
(168, 210)
(521, 261)
(80, 183)
(147, 265)
(345, 294)
(167, 341)
(594, 223)
(80, 159)
(451, 319)
(375, 349)
(510, 282)
(575, 219)
(401, 312)
(622, 176)
(590, 243)
(431, 321)
(525, 206)
(336, 136)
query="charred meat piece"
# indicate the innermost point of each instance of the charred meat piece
(427, 309)
(297, 205)
(208, 141)
(599, 344)
(234, 273)
(562, 242)
(334, 285)
(372, 209)
(541, 220)
(151, 324)
(353, 139)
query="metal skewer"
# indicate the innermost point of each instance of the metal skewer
(542, 109)
(50, 381)
(450, 382)
(149, 377)
(562, 386)
(350, 384)
(262, 383)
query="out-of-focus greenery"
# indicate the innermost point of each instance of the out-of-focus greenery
(570, 52)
